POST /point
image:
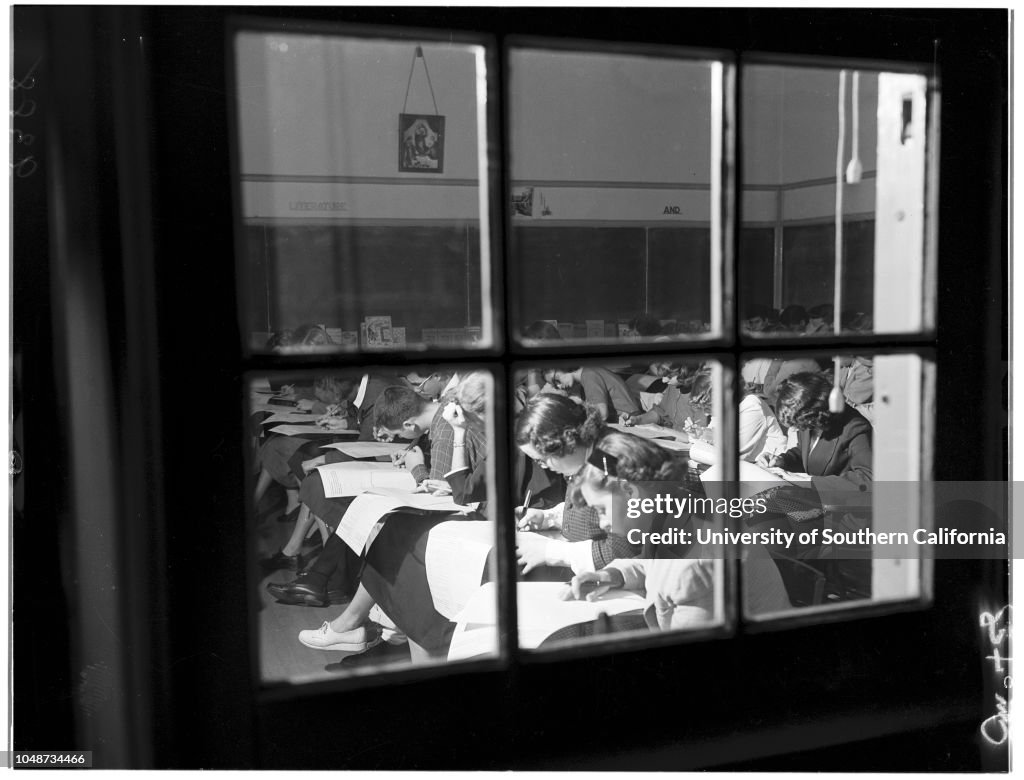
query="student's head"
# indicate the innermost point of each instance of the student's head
(803, 401)
(542, 330)
(794, 318)
(820, 317)
(622, 466)
(557, 432)
(562, 378)
(758, 317)
(331, 389)
(645, 325)
(687, 374)
(428, 385)
(311, 336)
(471, 393)
(280, 340)
(399, 412)
(702, 396)
(661, 369)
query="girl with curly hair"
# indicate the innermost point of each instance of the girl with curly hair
(834, 448)
(679, 577)
(558, 433)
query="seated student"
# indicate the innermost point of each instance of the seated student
(304, 338)
(674, 408)
(394, 577)
(304, 459)
(644, 326)
(602, 389)
(557, 433)
(758, 318)
(759, 430)
(856, 378)
(834, 448)
(678, 578)
(399, 412)
(793, 319)
(820, 318)
(330, 394)
(764, 375)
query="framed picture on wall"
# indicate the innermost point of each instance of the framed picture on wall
(420, 143)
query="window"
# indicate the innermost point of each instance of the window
(125, 266)
(360, 236)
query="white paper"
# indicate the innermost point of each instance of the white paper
(289, 429)
(365, 449)
(455, 558)
(542, 611)
(341, 479)
(367, 509)
(753, 480)
(288, 417)
(473, 642)
(651, 431)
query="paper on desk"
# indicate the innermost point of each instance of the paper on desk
(473, 642)
(367, 509)
(307, 430)
(456, 558)
(351, 479)
(541, 610)
(289, 417)
(650, 431)
(753, 480)
(365, 449)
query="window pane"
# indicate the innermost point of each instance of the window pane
(614, 162)
(606, 495)
(794, 126)
(363, 564)
(833, 487)
(363, 192)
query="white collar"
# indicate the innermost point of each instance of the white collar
(361, 393)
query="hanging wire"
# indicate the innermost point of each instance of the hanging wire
(418, 54)
(854, 170)
(835, 398)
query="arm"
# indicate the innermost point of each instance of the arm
(790, 460)
(753, 428)
(645, 418)
(856, 473)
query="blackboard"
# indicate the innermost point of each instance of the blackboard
(679, 274)
(755, 283)
(422, 276)
(809, 269)
(573, 274)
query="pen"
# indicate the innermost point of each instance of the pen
(526, 504)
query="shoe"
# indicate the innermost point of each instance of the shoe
(326, 638)
(281, 561)
(301, 591)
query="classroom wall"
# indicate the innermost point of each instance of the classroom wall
(600, 142)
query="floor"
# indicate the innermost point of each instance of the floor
(282, 657)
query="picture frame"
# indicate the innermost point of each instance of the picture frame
(421, 143)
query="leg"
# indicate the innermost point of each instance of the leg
(356, 613)
(302, 525)
(293, 498)
(263, 482)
